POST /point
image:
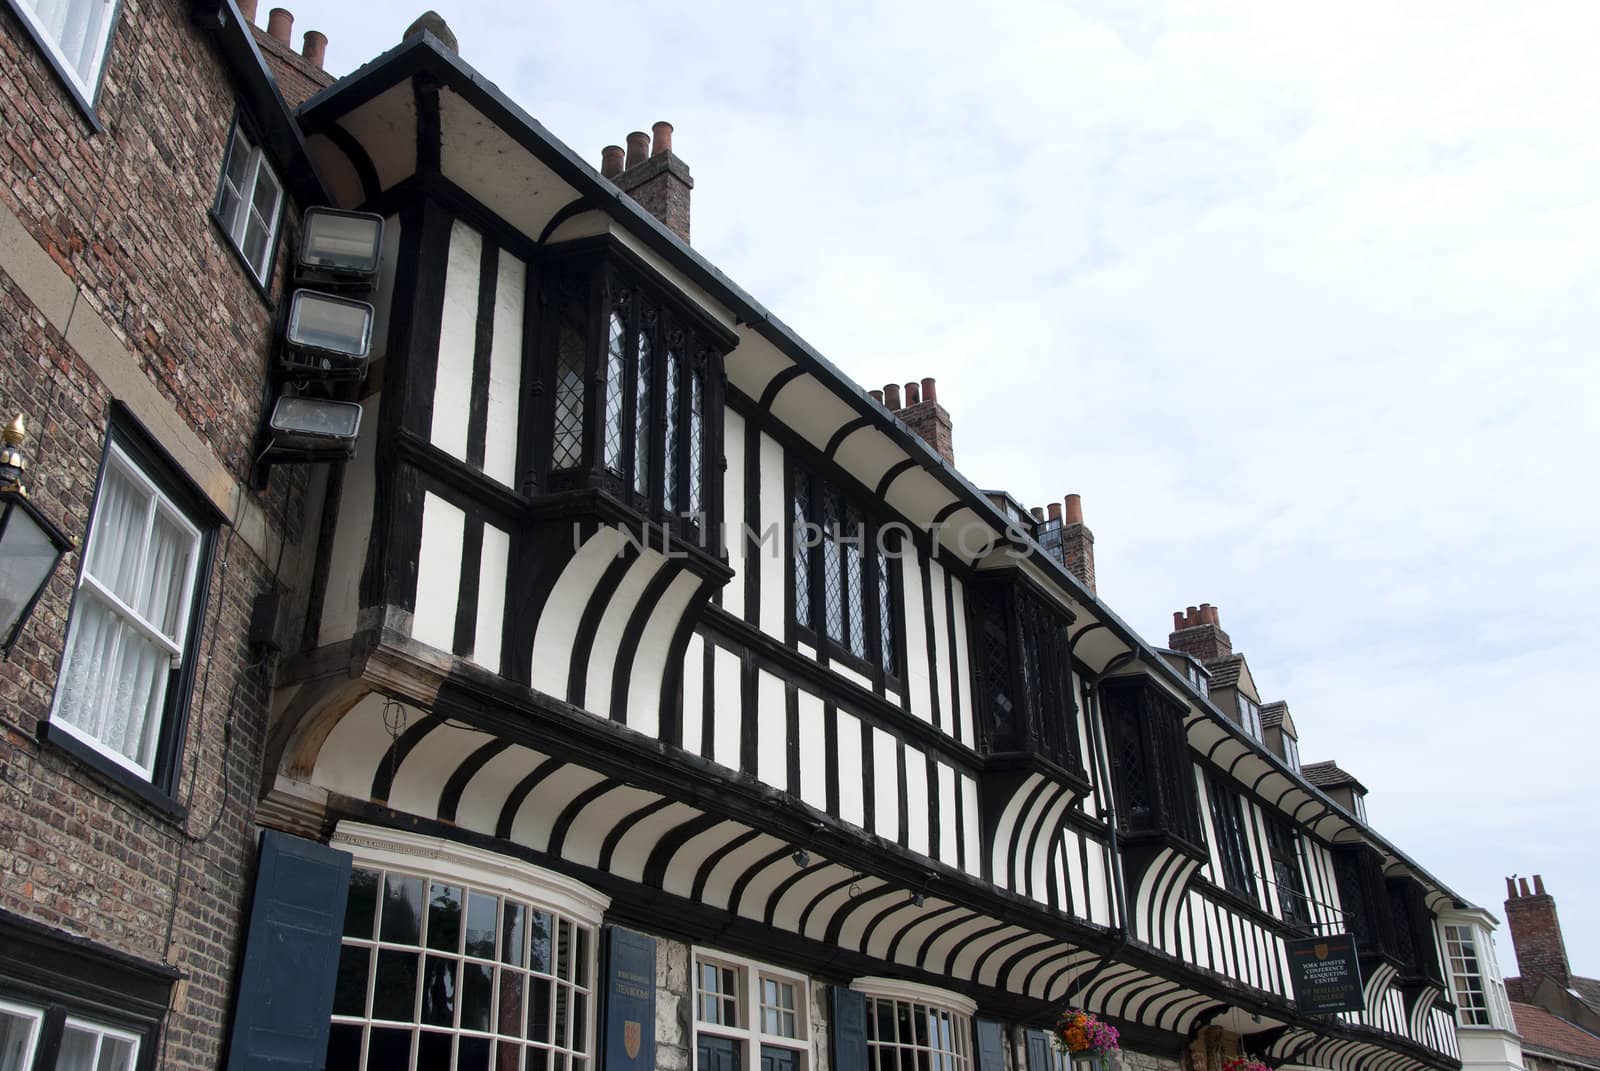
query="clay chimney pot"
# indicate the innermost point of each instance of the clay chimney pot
(247, 10)
(1038, 514)
(1055, 511)
(891, 396)
(661, 138)
(1177, 620)
(611, 159)
(1074, 509)
(913, 393)
(1522, 883)
(280, 25)
(928, 392)
(316, 47)
(877, 396)
(1538, 885)
(638, 148)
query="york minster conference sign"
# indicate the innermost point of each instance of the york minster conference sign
(1326, 974)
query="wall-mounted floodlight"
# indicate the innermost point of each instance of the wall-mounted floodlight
(328, 337)
(312, 428)
(30, 545)
(344, 244)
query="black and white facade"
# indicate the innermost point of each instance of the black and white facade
(576, 669)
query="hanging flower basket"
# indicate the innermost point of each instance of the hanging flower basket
(1244, 1063)
(1078, 1033)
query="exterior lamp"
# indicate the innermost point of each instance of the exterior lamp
(329, 337)
(30, 546)
(314, 428)
(342, 244)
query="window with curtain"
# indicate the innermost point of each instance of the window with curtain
(250, 203)
(130, 632)
(76, 34)
(79, 1044)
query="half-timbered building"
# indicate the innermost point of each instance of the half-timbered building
(668, 697)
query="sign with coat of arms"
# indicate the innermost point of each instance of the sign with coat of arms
(1326, 974)
(628, 1014)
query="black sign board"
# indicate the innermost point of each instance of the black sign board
(628, 1041)
(1326, 974)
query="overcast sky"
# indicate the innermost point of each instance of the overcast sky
(1304, 303)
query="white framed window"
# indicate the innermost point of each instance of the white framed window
(87, 1046)
(131, 618)
(455, 957)
(1250, 716)
(19, 1035)
(1467, 976)
(1291, 752)
(910, 1025)
(250, 203)
(77, 36)
(1361, 805)
(749, 1016)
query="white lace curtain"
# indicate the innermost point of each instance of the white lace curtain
(78, 28)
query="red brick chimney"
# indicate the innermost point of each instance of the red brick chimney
(1077, 542)
(1197, 632)
(1536, 934)
(923, 414)
(657, 178)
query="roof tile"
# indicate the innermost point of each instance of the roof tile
(1542, 1031)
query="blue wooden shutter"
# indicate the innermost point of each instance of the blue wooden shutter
(628, 1026)
(849, 1031)
(291, 956)
(991, 1050)
(1038, 1051)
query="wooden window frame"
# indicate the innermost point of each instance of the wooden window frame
(749, 1032)
(236, 229)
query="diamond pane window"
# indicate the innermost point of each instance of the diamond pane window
(886, 647)
(853, 535)
(616, 380)
(669, 497)
(833, 593)
(641, 419)
(697, 401)
(854, 589)
(567, 447)
(801, 549)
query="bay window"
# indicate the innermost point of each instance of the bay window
(1023, 662)
(1152, 775)
(748, 1015)
(135, 618)
(916, 1026)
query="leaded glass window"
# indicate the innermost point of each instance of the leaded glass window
(1233, 849)
(833, 589)
(697, 401)
(1024, 667)
(844, 576)
(567, 447)
(669, 498)
(616, 381)
(852, 537)
(643, 370)
(886, 644)
(800, 549)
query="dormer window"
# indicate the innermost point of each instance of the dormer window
(1250, 716)
(1198, 679)
(1291, 752)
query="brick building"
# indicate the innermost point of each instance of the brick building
(642, 693)
(1557, 1012)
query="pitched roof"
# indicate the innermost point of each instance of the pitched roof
(1328, 775)
(298, 78)
(1587, 990)
(1547, 1033)
(1272, 714)
(1225, 671)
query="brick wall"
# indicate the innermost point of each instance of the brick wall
(1536, 936)
(123, 215)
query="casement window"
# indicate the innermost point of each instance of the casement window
(913, 1026)
(749, 1016)
(1152, 775)
(1198, 679)
(30, 1042)
(1233, 846)
(1250, 716)
(1283, 844)
(441, 968)
(1291, 752)
(249, 205)
(135, 620)
(1360, 806)
(76, 36)
(1466, 977)
(1023, 663)
(845, 570)
(634, 399)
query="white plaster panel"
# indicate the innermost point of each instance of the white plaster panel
(851, 675)
(813, 751)
(491, 597)
(753, 901)
(386, 126)
(505, 371)
(916, 801)
(1095, 880)
(420, 780)
(733, 509)
(1077, 881)
(348, 555)
(786, 913)
(885, 785)
(538, 813)
(354, 748)
(650, 660)
(773, 513)
(685, 862)
(633, 848)
(772, 727)
(727, 708)
(969, 805)
(552, 638)
(916, 638)
(851, 806)
(941, 647)
(694, 692)
(587, 833)
(487, 792)
(438, 573)
(961, 667)
(719, 883)
(458, 333)
(608, 634)
(1044, 837)
(1009, 816)
(483, 159)
(948, 830)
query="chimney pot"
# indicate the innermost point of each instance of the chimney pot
(877, 396)
(1192, 614)
(247, 10)
(638, 148)
(611, 158)
(891, 395)
(913, 393)
(280, 25)
(1538, 885)
(1038, 514)
(1511, 888)
(1055, 511)
(929, 394)
(660, 138)
(316, 47)
(1522, 883)
(1074, 509)
(1177, 620)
